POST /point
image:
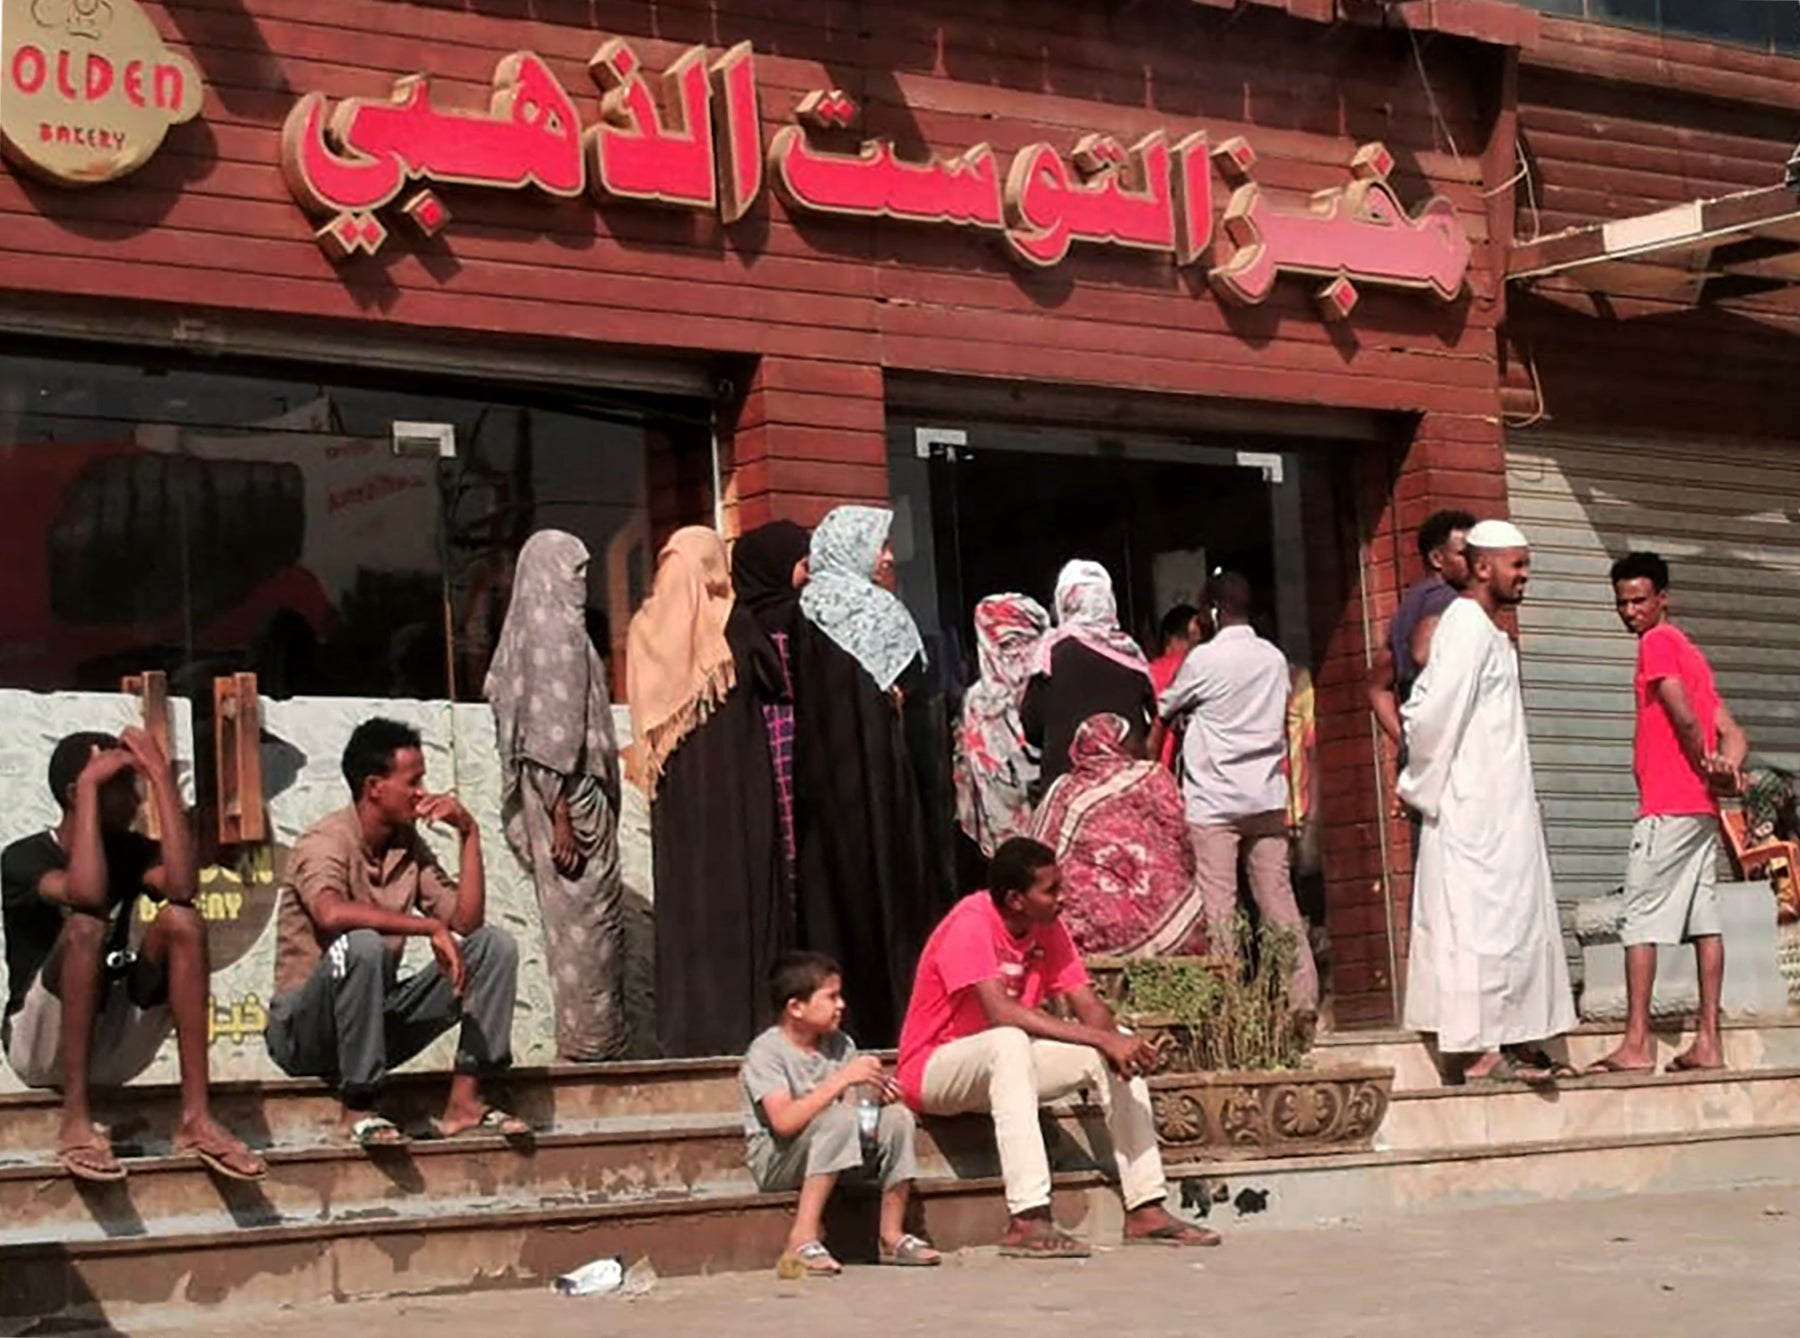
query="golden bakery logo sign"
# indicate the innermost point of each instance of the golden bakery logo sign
(88, 89)
(691, 137)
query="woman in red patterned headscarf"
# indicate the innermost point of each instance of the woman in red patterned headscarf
(1119, 830)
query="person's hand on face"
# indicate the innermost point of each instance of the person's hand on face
(105, 765)
(448, 810)
(146, 752)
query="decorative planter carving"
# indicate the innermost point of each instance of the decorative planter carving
(1289, 1112)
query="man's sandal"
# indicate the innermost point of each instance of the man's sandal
(1175, 1234)
(1046, 1243)
(494, 1122)
(911, 1252)
(812, 1260)
(91, 1160)
(377, 1131)
(224, 1156)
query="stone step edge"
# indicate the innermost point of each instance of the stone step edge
(1588, 1082)
(379, 1219)
(680, 1127)
(723, 1066)
(465, 1215)
(1662, 1026)
(620, 1130)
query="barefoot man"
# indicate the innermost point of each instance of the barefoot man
(1485, 970)
(1686, 753)
(86, 1009)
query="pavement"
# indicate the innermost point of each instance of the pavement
(1718, 1263)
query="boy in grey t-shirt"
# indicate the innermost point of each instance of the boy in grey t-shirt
(800, 1131)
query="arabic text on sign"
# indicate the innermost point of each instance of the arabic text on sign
(691, 137)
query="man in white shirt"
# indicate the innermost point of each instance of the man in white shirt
(1234, 776)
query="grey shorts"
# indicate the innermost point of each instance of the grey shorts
(1670, 877)
(127, 1036)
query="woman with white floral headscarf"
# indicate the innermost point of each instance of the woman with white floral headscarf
(867, 892)
(1087, 666)
(560, 795)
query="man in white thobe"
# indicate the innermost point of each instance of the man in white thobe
(1485, 970)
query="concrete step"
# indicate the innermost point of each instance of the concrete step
(1608, 1105)
(466, 1245)
(303, 1113)
(459, 1245)
(1750, 1043)
(617, 1161)
(1367, 1187)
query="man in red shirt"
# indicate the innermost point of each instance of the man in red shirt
(977, 1039)
(1687, 752)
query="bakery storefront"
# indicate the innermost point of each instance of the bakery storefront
(313, 312)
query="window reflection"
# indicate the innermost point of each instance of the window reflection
(204, 523)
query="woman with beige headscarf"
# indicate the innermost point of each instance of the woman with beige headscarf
(697, 672)
(560, 795)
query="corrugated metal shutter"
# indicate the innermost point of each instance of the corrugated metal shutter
(1724, 514)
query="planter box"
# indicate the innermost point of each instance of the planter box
(1286, 1113)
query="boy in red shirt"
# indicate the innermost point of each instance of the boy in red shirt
(976, 1039)
(1687, 751)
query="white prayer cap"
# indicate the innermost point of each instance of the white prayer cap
(1495, 535)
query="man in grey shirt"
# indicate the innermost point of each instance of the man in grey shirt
(805, 1089)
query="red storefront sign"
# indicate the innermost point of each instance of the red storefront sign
(87, 88)
(691, 137)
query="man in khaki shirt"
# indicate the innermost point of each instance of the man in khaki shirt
(359, 883)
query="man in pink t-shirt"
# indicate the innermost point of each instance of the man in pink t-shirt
(976, 1039)
(1686, 753)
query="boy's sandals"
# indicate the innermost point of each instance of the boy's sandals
(224, 1156)
(493, 1121)
(811, 1260)
(1046, 1242)
(377, 1131)
(911, 1252)
(91, 1160)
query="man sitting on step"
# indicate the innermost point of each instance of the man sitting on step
(84, 1008)
(976, 1039)
(359, 883)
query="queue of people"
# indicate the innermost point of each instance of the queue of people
(769, 690)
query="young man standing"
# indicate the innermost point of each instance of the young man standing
(1688, 750)
(801, 1127)
(1234, 775)
(1485, 968)
(83, 1009)
(977, 1039)
(360, 882)
(1399, 660)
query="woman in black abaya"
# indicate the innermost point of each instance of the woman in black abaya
(698, 671)
(867, 894)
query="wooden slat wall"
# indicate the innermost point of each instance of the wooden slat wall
(809, 315)
(1619, 123)
(209, 221)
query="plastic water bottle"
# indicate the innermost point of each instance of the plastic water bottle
(868, 1115)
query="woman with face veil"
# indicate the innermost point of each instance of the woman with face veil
(698, 671)
(866, 895)
(767, 573)
(560, 797)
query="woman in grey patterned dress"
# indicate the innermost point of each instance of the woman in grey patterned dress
(560, 794)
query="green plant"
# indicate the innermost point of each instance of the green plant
(1216, 1015)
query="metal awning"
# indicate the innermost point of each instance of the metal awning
(1742, 245)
